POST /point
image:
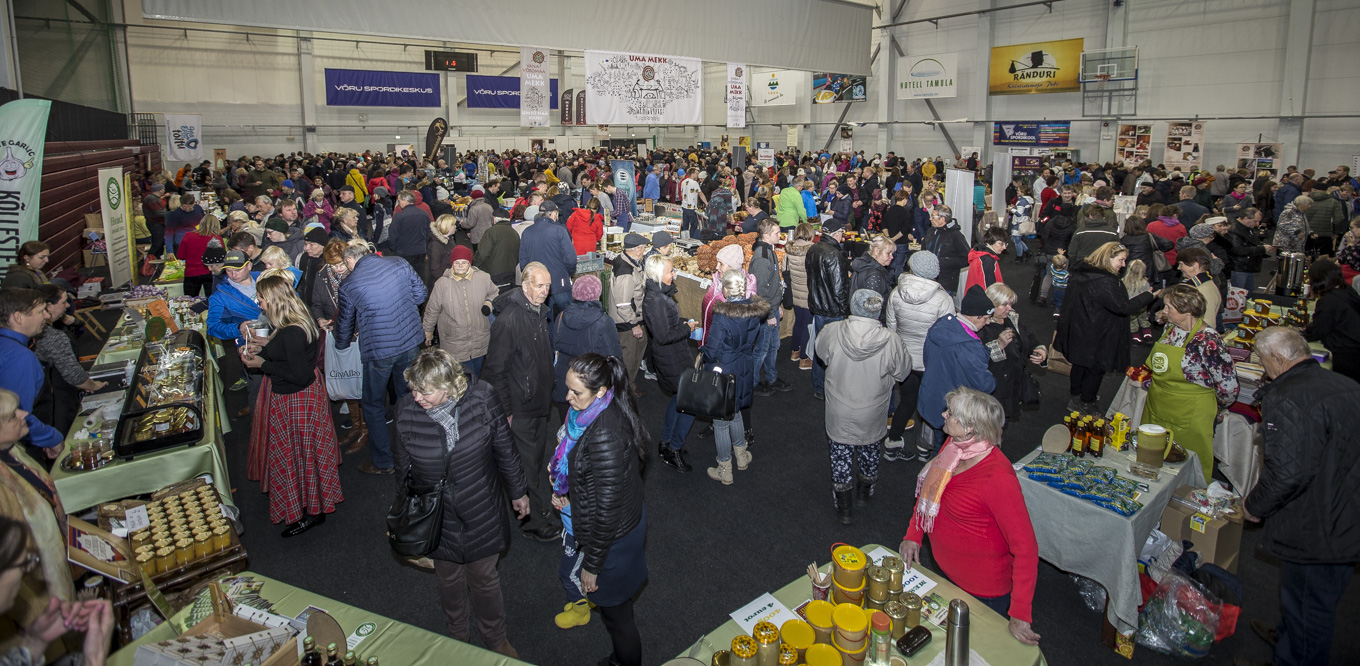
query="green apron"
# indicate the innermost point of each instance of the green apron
(1186, 409)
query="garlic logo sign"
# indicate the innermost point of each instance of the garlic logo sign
(538, 57)
(13, 168)
(114, 193)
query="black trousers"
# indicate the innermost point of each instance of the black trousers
(909, 391)
(623, 631)
(1085, 383)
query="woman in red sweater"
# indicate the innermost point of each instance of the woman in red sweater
(587, 227)
(197, 276)
(969, 502)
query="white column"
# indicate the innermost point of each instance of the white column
(307, 81)
(1294, 90)
(887, 98)
(981, 107)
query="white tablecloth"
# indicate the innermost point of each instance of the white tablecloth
(1079, 537)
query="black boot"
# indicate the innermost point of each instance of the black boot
(750, 437)
(864, 491)
(673, 459)
(843, 500)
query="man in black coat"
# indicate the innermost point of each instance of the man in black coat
(409, 234)
(1246, 250)
(347, 201)
(519, 364)
(1307, 492)
(828, 285)
(1187, 210)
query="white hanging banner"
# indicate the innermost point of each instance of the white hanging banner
(23, 127)
(633, 89)
(793, 136)
(113, 207)
(535, 97)
(184, 132)
(736, 95)
(923, 77)
(777, 88)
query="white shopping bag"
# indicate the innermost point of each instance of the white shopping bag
(344, 371)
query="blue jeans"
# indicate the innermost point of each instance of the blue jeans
(802, 317)
(1001, 604)
(819, 370)
(727, 434)
(689, 221)
(376, 374)
(1058, 293)
(1243, 280)
(474, 366)
(899, 262)
(677, 426)
(1309, 594)
(767, 348)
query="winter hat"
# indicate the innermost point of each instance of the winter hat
(732, 256)
(1200, 181)
(1099, 183)
(530, 213)
(632, 240)
(380, 192)
(1215, 220)
(843, 189)
(924, 264)
(680, 172)
(318, 236)
(866, 303)
(547, 207)
(975, 303)
(158, 187)
(276, 224)
(661, 239)
(288, 182)
(586, 288)
(1202, 231)
(215, 253)
(476, 194)
(441, 194)
(462, 252)
(1176, 175)
(348, 188)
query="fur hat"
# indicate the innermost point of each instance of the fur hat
(866, 303)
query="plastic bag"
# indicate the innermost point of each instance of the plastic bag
(1180, 619)
(1091, 592)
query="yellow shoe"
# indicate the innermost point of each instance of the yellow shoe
(574, 615)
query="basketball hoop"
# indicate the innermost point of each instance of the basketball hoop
(1103, 78)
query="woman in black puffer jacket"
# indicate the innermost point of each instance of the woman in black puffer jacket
(605, 449)
(668, 354)
(447, 426)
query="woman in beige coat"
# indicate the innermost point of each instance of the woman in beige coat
(459, 305)
(795, 252)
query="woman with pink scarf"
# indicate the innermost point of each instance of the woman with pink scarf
(1237, 202)
(968, 500)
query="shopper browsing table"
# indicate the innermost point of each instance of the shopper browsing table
(94, 618)
(969, 502)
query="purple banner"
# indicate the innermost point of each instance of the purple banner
(353, 87)
(498, 92)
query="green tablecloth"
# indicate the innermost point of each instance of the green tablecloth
(392, 642)
(989, 634)
(153, 471)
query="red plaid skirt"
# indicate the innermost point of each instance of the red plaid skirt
(293, 452)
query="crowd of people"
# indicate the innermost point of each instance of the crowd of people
(514, 378)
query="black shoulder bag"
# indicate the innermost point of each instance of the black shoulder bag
(415, 523)
(706, 393)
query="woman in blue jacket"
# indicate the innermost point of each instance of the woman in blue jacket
(729, 344)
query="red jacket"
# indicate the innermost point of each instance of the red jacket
(586, 230)
(984, 268)
(191, 252)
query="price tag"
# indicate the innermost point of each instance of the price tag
(136, 519)
(1198, 521)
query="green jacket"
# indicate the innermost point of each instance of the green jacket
(789, 211)
(498, 251)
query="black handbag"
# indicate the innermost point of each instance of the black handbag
(1030, 393)
(415, 523)
(787, 296)
(706, 393)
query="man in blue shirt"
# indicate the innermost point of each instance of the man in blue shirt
(22, 315)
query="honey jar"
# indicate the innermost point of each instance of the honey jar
(894, 566)
(897, 612)
(165, 559)
(184, 552)
(147, 563)
(912, 602)
(141, 538)
(767, 643)
(165, 542)
(744, 651)
(788, 656)
(202, 545)
(879, 578)
(221, 538)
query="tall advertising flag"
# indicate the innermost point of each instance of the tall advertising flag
(434, 138)
(534, 95)
(113, 207)
(625, 178)
(736, 95)
(23, 128)
(568, 96)
(184, 133)
(581, 106)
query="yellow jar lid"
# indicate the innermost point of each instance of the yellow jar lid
(849, 558)
(819, 612)
(143, 558)
(165, 552)
(822, 654)
(849, 617)
(797, 634)
(744, 647)
(765, 633)
(184, 543)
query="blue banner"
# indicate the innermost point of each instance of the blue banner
(625, 178)
(1031, 134)
(499, 92)
(353, 87)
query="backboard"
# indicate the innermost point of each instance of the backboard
(1109, 82)
(1116, 64)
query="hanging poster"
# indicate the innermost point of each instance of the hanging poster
(1031, 134)
(1134, 144)
(643, 89)
(736, 95)
(834, 88)
(581, 107)
(23, 129)
(1184, 146)
(499, 92)
(776, 88)
(113, 205)
(568, 96)
(765, 156)
(534, 95)
(183, 132)
(923, 77)
(1254, 157)
(354, 87)
(1039, 67)
(792, 136)
(625, 178)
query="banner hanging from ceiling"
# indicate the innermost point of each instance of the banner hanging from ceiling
(833, 88)
(1254, 157)
(534, 96)
(928, 76)
(736, 95)
(23, 130)
(777, 88)
(499, 92)
(1039, 67)
(183, 133)
(568, 96)
(1184, 146)
(1031, 134)
(629, 88)
(581, 107)
(354, 87)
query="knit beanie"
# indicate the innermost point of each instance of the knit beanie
(866, 303)
(733, 256)
(462, 252)
(1202, 231)
(975, 303)
(924, 264)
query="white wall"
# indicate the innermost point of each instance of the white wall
(1206, 58)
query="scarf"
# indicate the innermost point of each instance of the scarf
(930, 483)
(571, 431)
(1237, 196)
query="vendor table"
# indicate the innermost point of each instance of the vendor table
(989, 633)
(392, 642)
(1080, 537)
(152, 471)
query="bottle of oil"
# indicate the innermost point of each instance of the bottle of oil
(1097, 446)
(1071, 431)
(331, 656)
(311, 656)
(1079, 438)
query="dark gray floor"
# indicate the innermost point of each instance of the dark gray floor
(711, 548)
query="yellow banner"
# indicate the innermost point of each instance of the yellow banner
(1040, 67)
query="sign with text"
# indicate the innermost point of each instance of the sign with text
(113, 205)
(1031, 134)
(736, 95)
(1039, 67)
(568, 97)
(535, 97)
(23, 128)
(498, 92)
(183, 133)
(1184, 145)
(643, 89)
(581, 107)
(777, 88)
(924, 77)
(354, 87)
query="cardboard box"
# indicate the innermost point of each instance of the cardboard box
(1217, 540)
(90, 259)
